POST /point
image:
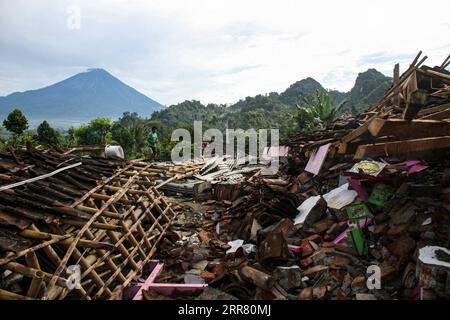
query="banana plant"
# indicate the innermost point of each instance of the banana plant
(317, 113)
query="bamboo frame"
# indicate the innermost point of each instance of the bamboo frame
(111, 247)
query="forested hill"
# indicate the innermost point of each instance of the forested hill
(273, 110)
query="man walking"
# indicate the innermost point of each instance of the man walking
(152, 140)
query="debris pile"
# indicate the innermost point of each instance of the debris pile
(358, 210)
(76, 227)
(361, 211)
(409, 118)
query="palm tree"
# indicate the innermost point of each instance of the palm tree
(136, 133)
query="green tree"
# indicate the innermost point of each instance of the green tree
(16, 122)
(130, 132)
(101, 126)
(70, 138)
(46, 135)
(95, 132)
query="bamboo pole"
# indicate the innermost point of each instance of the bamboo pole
(22, 253)
(130, 235)
(120, 241)
(7, 295)
(32, 260)
(54, 258)
(30, 272)
(36, 284)
(88, 194)
(150, 255)
(97, 225)
(104, 256)
(107, 213)
(39, 235)
(85, 264)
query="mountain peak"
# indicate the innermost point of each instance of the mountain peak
(92, 93)
(369, 86)
(370, 74)
(98, 71)
(304, 87)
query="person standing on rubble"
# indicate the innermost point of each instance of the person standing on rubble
(152, 140)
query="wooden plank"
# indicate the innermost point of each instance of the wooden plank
(435, 109)
(445, 114)
(416, 59)
(403, 129)
(445, 62)
(403, 77)
(396, 81)
(399, 147)
(357, 132)
(438, 74)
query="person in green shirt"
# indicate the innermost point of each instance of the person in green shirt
(152, 140)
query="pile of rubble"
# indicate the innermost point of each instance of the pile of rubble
(358, 210)
(78, 227)
(361, 211)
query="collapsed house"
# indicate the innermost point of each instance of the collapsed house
(358, 210)
(59, 211)
(365, 196)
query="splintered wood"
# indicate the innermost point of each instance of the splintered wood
(411, 118)
(89, 249)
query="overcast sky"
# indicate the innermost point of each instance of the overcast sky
(215, 50)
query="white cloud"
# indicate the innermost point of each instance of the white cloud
(216, 51)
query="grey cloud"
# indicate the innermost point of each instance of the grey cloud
(383, 57)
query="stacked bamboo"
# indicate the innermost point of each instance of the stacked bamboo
(104, 218)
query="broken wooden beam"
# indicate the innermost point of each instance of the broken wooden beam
(403, 129)
(404, 146)
(444, 114)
